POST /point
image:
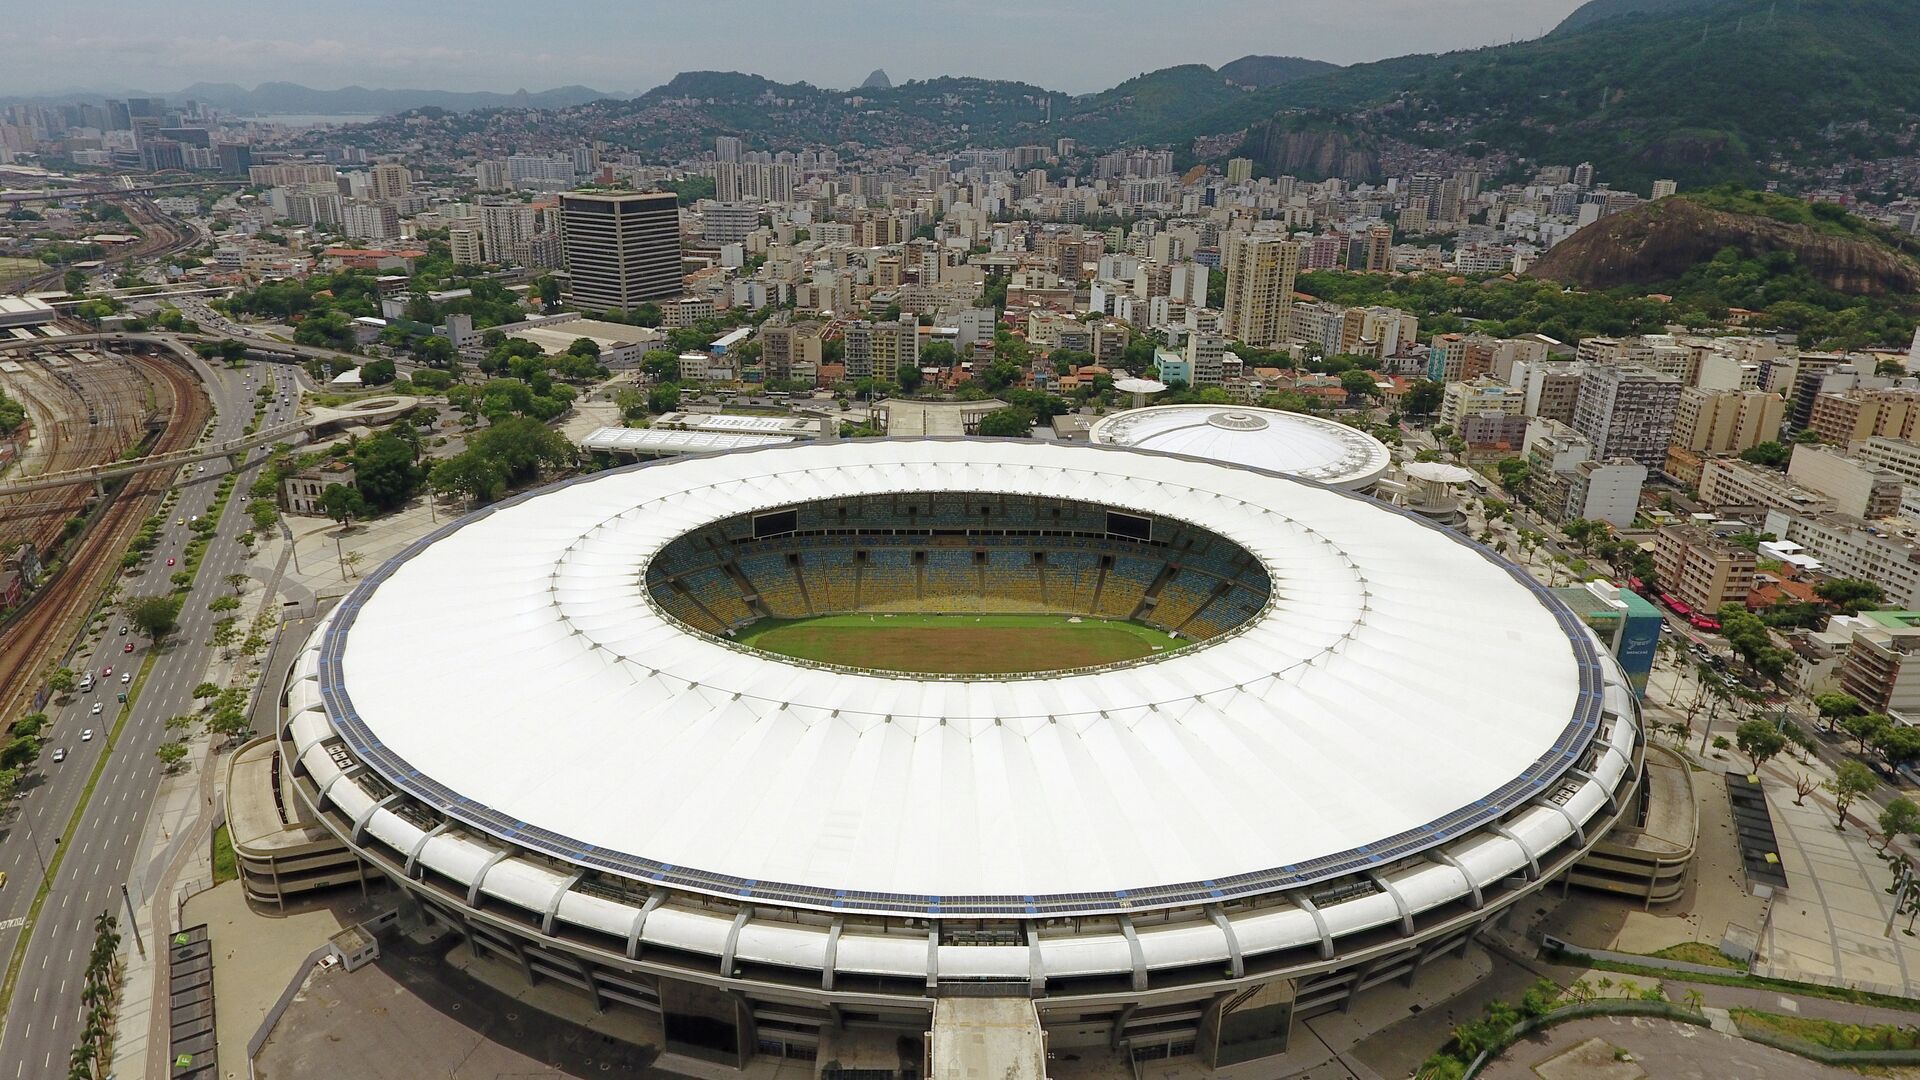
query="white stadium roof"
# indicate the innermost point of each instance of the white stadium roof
(1402, 687)
(1271, 439)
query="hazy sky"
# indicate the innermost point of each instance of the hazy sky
(616, 45)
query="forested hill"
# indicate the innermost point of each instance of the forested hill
(1696, 91)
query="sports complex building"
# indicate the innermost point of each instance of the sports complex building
(542, 724)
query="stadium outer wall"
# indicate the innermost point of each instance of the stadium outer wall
(729, 979)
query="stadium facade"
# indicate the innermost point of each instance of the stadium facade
(536, 724)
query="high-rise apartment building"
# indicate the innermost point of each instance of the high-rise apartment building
(467, 247)
(1627, 412)
(881, 348)
(1260, 272)
(502, 226)
(389, 181)
(370, 221)
(1726, 421)
(729, 223)
(1239, 170)
(1702, 570)
(622, 248)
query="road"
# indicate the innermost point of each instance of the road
(44, 1019)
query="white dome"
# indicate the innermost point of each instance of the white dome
(1270, 439)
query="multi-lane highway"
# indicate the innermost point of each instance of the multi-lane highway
(44, 1015)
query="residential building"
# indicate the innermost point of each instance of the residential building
(1552, 387)
(730, 223)
(1856, 486)
(1483, 395)
(1885, 552)
(880, 349)
(1627, 412)
(370, 221)
(467, 247)
(1260, 274)
(622, 249)
(502, 227)
(1900, 457)
(1880, 666)
(1727, 483)
(1606, 491)
(1854, 415)
(791, 350)
(389, 181)
(1206, 354)
(1726, 421)
(1702, 570)
(1566, 483)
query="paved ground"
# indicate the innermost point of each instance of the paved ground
(411, 1015)
(1662, 1049)
(255, 951)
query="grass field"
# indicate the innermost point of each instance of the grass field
(957, 644)
(12, 269)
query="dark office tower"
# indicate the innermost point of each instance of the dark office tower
(622, 248)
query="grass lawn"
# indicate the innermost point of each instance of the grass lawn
(1698, 952)
(1830, 1034)
(224, 868)
(12, 269)
(958, 644)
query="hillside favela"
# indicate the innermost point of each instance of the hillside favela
(910, 540)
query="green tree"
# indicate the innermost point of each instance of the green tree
(1769, 454)
(1760, 740)
(343, 503)
(154, 616)
(1900, 818)
(908, 376)
(1359, 385)
(171, 754)
(385, 471)
(663, 398)
(61, 681)
(1850, 780)
(1007, 423)
(1424, 397)
(1513, 473)
(1835, 707)
(1897, 744)
(1865, 727)
(1850, 595)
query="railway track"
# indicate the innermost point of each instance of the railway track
(87, 412)
(54, 616)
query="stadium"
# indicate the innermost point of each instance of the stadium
(1227, 747)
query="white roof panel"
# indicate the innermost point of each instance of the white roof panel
(1271, 439)
(1400, 675)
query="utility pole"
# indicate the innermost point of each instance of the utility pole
(133, 921)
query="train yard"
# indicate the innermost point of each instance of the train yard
(85, 407)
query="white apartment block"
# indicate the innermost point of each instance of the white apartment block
(1885, 552)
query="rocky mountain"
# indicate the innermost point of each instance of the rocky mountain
(1665, 241)
(877, 81)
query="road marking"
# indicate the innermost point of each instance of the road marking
(13, 923)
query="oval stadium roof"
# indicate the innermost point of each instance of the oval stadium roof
(1402, 684)
(1270, 439)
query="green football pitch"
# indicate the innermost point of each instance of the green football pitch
(958, 644)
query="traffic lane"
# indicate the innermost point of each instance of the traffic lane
(103, 841)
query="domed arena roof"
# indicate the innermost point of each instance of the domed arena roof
(1270, 439)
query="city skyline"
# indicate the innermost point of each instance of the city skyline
(152, 50)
